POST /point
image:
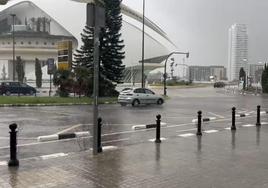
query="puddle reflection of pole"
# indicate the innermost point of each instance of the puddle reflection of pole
(199, 143)
(258, 135)
(233, 139)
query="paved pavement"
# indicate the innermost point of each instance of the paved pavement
(220, 158)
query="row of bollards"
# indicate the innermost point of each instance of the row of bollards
(233, 127)
(13, 133)
(13, 162)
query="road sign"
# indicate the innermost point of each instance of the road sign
(64, 55)
(50, 66)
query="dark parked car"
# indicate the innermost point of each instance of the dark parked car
(219, 84)
(8, 88)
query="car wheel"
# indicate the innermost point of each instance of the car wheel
(31, 92)
(123, 104)
(136, 102)
(7, 93)
(160, 101)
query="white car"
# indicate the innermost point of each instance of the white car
(137, 96)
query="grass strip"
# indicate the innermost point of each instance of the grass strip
(14, 100)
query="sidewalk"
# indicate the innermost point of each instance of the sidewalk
(220, 159)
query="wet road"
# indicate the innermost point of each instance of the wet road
(178, 113)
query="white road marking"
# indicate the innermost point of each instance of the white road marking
(248, 125)
(186, 135)
(211, 131)
(3, 163)
(227, 128)
(153, 139)
(108, 148)
(51, 156)
(264, 123)
(217, 115)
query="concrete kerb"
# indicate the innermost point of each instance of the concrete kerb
(205, 119)
(62, 136)
(242, 115)
(148, 126)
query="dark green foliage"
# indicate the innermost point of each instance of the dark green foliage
(4, 73)
(65, 80)
(38, 73)
(264, 79)
(242, 75)
(84, 81)
(84, 56)
(111, 44)
(20, 69)
(111, 54)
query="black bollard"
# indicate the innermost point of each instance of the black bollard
(158, 123)
(99, 135)
(258, 123)
(13, 146)
(233, 119)
(199, 120)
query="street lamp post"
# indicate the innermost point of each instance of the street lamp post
(13, 45)
(165, 69)
(142, 63)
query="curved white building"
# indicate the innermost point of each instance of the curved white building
(37, 39)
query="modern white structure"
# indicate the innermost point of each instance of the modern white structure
(37, 33)
(237, 51)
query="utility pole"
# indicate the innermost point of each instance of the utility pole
(13, 45)
(142, 63)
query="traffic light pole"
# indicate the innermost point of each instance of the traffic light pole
(165, 69)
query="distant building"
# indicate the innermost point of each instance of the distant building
(237, 51)
(204, 73)
(255, 72)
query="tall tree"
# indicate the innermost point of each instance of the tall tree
(242, 75)
(20, 69)
(38, 73)
(4, 73)
(84, 56)
(111, 51)
(264, 79)
(111, 44)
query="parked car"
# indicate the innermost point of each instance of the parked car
(137, 96)
(7, 88)
(219, 84)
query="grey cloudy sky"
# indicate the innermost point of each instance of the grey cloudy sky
(197, 26)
